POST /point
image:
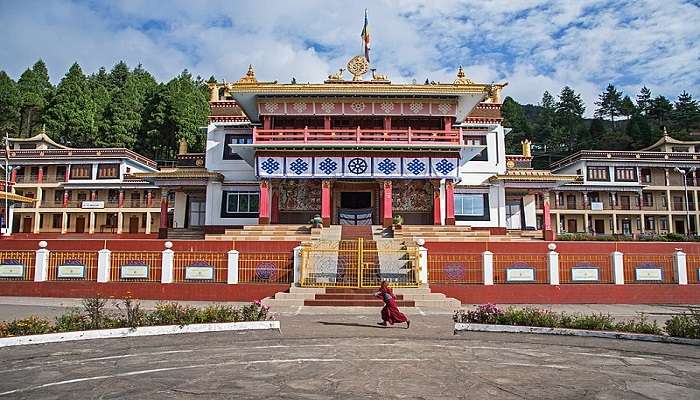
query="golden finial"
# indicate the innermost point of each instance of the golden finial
(249, 76)
(183, 146)
(665, 132)
(461, 78)
(527, 152)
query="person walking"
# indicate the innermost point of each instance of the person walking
(390, 312)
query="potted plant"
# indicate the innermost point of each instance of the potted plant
(316, 221)
(398, 221)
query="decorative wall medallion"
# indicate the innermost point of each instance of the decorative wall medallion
(358, 66)
(454, 271)
(416, 167)
(387, 107)
(386, 166)
(444, 167)
(265, 270)
(270, 165)
(327, 107)
(299, 107)
(328, 166)
(272, 107)
(357, 166)
(416, 107)
(444, 108)
(358, 107)
(299, 166)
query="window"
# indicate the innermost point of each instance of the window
(229, 154)
(478, 141)
(112, 196)
(598, 174)
(60, 173)
(240, 204)
(648, 199)
(58, 197)
(108, 171)
(649, 223)
(626, 174)
(56, 221)
(646, 175)
(663, 223)
(83, 171)
(82, 196)
(571, 202)
(471, 206)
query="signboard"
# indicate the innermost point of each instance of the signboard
(133, 271)
(197, 272)
(596, 206)
(71, 271)
(93, 204)
(648, 274)
(520, 274)
(585, 274)
(11, 270)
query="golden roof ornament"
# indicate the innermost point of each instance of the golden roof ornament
(358, 66)
(461, 78)
(249, 76)
(338, 76)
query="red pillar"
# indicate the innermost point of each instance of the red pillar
(67, 173)
(93, 195)
(387, 123)
(163, 228)
(13, 176)
(387, 205)
(275, 215)
(267, 122)
(121, 198)
(327, 122)
(149, 199)
(65, 199)
(40, 178)
(547, 231)
(449, 203)
(437, 215)
(264, 217)
(326, 202)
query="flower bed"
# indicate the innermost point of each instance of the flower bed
(528, 316)
(129, 314)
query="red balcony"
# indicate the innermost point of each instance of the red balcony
(358, 136)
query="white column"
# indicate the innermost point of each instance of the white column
(297, 266)
(553, 264)
(168, 261)
(91, 228)
(679, 263)
(232, 267)
(148, 222)
(616, 261)
(104, 258)
(422, 262)
(64, 223)
(37, 215)
(41, 263)
(120, 222)
(487, 263)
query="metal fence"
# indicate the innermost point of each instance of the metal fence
(200, 266)
(693, 268)
(266, 267)
(139, 266)
(455, 268)
(585, 268)
(17, 265)
(648, 268)
(520, 268)
(72, 265)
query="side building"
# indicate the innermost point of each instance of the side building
(79, 190)
(653, 190)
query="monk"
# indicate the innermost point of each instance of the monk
(390, 312)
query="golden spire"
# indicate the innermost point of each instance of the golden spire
(249, 76)
(527, 152)
(461, 78)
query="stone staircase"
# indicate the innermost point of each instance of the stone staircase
(356, 297)
(185, 234)
(277, 232)
(460, 233)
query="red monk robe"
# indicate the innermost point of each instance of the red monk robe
(390, 312)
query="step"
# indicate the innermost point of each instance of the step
(352, 290)
(355, 303)
(282, 302)
(440, 304)
(347, 296)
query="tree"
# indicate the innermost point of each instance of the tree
(570, 132)
(609, 104)
(545, 120)
(644, 101)
(639, 131)
(660, 110)
(71, 116)
(10, 104)
(36, 91)
(685, 116)
(118, 75)
(597, 132)
(627, 107)
(126, 111)
(514, 118)
(100, 88)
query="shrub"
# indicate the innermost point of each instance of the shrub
(641, 325)
(484, 314)
(133, 316)
(220, 313)
(171, 313)
(94, 308)
(684, 325)
(33, 325)
(72, 320)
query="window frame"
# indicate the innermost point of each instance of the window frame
(109, 165)
(591, 168)
(78, 167)
(634, 177)
(231, 138)
(485, 216)
(227, 212)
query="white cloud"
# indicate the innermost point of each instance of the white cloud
(536, 45)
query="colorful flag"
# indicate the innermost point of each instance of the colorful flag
(365, 37)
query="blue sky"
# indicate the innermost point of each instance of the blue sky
(534, 45)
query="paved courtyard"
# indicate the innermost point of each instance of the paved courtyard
(327, 355)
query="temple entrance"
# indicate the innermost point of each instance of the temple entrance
(355, 208)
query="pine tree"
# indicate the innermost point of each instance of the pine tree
(685, 116)
(101, 89)
(36, 91)
(609, 104)
(627, 107)
(514, 118)
(660, 110)
(644, 101)
(597, 132)
(639, 131)
(10, 105)
(126, 111)
(118, 75)
(571, 133)
(71, 117)
(545, 120)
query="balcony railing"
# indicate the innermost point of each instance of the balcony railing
(357, 136)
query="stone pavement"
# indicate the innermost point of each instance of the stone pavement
(331, 356)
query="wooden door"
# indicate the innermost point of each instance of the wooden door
(134, 224)
(599, 226)
(571, 226)
(27, 224)
(80, 224)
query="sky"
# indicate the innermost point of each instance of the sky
(534, 45)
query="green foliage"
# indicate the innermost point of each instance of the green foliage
(685, 114)
(609, 104)
(26, 326)
(530, 316)
(514, 118)
(685, 325)
(645, 237)
(36, 92)
(10, 104)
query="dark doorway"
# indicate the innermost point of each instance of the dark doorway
(27, 224)
(134, 224)
(571, 226)
(355, 200)
(80, 224)
(599, 226)
(680, 226)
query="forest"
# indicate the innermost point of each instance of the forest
(127, 107)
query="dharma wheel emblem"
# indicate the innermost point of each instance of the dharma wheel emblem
(358, 66)
(357, 166)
